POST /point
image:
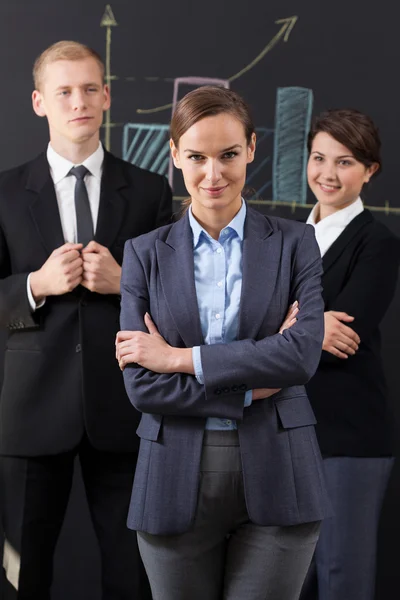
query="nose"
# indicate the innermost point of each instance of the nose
(213, 172)
(328, 171)
(78, 100)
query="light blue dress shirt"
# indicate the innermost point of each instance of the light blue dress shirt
(218, 279)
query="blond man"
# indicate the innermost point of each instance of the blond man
(64, 219)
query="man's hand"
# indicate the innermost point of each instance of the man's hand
(101, 272)
(151, 351)
(339, 339)
(60, 274)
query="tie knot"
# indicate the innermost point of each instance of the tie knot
(79, 172)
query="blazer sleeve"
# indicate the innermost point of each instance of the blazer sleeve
(164, 214)
(370, 288)
(176, 394)
(276, 361)
(15, 310)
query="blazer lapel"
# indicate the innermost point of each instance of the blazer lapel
(261, 262)
(333, 253)
(112, 201)
(44, 207)
(176, 267)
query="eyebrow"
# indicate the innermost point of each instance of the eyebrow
(342, 156)
(67, 87)
(222, 151)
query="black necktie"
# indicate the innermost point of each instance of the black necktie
(84, 221)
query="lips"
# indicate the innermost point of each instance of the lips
(80, 119)
(329, 189)
(215, 191)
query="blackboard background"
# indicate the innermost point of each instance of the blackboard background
(346, 52)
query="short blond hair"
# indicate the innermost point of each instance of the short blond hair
(64, 50)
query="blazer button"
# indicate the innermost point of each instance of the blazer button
(217, 391)
(234, 388)
(243, 387)
(78, 348)
(226, 390)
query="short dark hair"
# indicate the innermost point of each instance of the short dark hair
(353, 129)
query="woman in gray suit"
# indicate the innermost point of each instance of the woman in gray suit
(229, 492)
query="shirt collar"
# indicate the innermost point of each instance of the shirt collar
(60, 166)
(341, 218)
(237, 224)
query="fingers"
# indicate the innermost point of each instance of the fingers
(66, 248)
(150, 325)
(348, 348)
(69, 257)
(126, 360)
(90, 258)
(262, 393)
(93, 247)
(123, 350)
(336, 352)
(341, 316)
(293, 310)
(124, 335)
(349, 333)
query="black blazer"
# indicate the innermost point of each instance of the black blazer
(60, 374)
(349, 396)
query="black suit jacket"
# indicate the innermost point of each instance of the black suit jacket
(61, 377)
(349, 396)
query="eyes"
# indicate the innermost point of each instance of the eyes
(88, 90)
(343, 162)
(226, 156)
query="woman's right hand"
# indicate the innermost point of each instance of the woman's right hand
(339, 339)
(288, 322)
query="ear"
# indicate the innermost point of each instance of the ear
(107, 98)
(251, 148)
(175, 154)
(37, 103)
(371, 170)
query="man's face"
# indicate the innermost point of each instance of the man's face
(73, 98)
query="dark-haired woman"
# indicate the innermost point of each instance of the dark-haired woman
(229, 491)
(348, 394)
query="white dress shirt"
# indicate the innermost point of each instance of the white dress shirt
(327, 230)
(64, 186)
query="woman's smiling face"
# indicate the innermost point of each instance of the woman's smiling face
(213, 155)
(334, 175)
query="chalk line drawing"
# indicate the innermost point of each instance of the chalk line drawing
(108, 21)
(284, 33)
(292, 123)
(281, 152)
(257, 180)
(147, 146)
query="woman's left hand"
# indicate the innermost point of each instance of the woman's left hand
(149, 350)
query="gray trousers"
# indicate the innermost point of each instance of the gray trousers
(224, 555)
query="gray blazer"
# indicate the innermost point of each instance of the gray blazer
(282, 465)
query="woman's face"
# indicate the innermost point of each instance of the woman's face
(213, 155)
(334, 175)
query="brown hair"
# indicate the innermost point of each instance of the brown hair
(208, 101)
(64, 50)
(353, 129)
